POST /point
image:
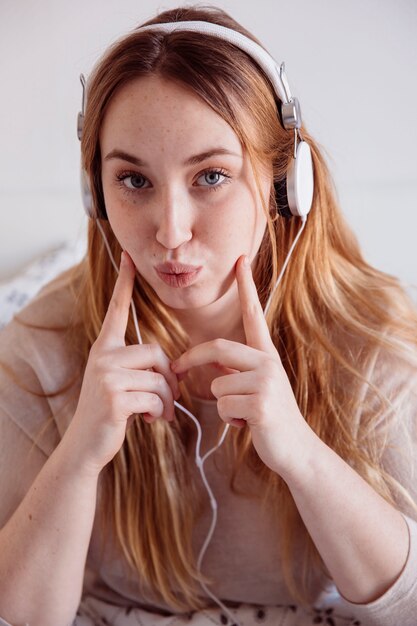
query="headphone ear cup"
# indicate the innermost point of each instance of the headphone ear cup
(300, 181)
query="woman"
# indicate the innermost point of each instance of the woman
(101, 500)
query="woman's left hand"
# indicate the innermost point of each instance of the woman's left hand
(258, 393)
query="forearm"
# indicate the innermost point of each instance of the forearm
(362, 539)
(43, 547)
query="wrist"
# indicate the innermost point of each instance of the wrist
(299, 466)
(71, 458)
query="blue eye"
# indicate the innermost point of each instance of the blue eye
(132, 175)
(216, 173)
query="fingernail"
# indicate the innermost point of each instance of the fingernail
(246, 261)
(123, 258)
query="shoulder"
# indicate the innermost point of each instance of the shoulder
(395, 367)
(45, 324)
(54, 306)
(386, 358)
(40, 363)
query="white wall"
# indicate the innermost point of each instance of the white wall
(353, 66)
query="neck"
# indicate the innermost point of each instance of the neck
(222, 318)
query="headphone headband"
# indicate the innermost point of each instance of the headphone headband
(264, 59)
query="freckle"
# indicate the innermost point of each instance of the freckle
(30, 517)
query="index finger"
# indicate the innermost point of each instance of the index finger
(114, 325)
(254, 323)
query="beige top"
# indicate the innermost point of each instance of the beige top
(244, 555)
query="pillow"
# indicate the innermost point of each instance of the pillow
(18, 290)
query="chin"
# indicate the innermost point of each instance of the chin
(183, 301)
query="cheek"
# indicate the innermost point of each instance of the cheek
(240, 224)
(235, 227)
(123, 220)
(120, 229)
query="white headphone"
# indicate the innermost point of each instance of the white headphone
(295, 197)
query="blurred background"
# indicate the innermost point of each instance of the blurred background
(353, 66)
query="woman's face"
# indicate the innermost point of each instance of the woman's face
(171, 200)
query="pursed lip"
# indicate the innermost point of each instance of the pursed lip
(173, 267)
(185, 279)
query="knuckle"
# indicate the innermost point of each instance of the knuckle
(149, 348)
(222, 405)
(262, 405)
(213, 387)
(113, 402)
(153, 348)
(158, 380)
(133, 379)
(263, 384)
(156, 400)
(156, 403)
(101, 364)
(157, 348)
(107, 380)
(219, 343)
(99, 358)
(270, 364)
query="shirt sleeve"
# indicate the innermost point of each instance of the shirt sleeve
(28, 433)
(34, 364)
(398, 380)
(20, 462)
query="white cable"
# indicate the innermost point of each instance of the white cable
(199, 461)
(304, 220)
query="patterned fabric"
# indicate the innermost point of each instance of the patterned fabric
(93, 612)
(18, 290)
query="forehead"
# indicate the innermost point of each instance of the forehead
(153, 110)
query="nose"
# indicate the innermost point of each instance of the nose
(174, 222)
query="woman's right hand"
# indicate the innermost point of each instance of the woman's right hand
(118, 382)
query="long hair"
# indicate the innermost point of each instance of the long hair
(332, 313)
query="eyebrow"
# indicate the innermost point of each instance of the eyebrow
(193, 160)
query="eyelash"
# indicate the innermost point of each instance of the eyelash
(123, 175)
